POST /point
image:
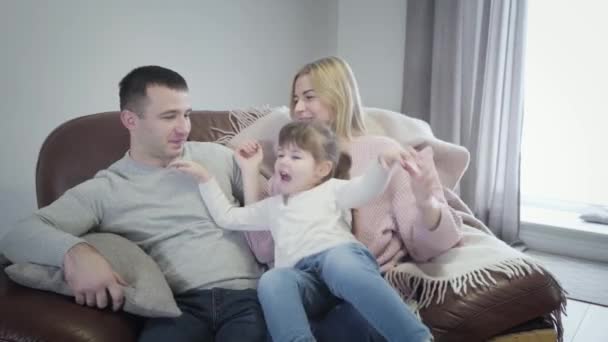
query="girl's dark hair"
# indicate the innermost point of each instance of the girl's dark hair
(318, 139)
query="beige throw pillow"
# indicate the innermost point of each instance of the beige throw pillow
(148, 293)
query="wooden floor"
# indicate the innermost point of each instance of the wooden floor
(586, 322)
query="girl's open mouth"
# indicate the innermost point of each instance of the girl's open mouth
(285, 177)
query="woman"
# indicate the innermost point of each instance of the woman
(412, 217)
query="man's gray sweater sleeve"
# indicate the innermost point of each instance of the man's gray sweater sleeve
(50, 232)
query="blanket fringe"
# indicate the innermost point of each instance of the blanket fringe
(434, 290)
(555, 317)
(241, 119)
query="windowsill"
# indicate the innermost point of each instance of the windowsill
(562, 232)
(561, 219)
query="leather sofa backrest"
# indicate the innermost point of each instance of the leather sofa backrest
(77, 149)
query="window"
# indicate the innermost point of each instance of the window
(565, 132)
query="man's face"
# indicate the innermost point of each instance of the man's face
(161, 130)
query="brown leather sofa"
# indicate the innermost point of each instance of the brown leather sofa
(77, 149)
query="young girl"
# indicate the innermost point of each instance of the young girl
(316, 255)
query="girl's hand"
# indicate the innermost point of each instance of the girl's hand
(194, 169)
(249, 156)
(390, 158)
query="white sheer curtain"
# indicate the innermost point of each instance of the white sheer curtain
(464, 75)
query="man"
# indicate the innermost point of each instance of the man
(211, 271)
(160, 210)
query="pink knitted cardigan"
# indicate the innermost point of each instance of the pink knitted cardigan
(388, 226)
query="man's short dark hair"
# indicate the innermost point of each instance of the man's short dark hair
(132, 88)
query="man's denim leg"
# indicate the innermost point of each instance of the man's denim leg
(217, 314)
(194, 325)
(288, 296)
(351, 273)
(344, 323)
(239, 316)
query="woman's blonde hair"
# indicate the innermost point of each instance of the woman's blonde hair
(335, 84)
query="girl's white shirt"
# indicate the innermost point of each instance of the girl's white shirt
(305, 223)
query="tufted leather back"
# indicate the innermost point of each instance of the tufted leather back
(77, 149)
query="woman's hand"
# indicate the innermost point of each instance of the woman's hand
(425, 183)
(421, 168)
(423, 173)
(249, 156)
(424, 179)
(194, 169)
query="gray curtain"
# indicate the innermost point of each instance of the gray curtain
(464, 75)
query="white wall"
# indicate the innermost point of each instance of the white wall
(62, 59)
(371, 36)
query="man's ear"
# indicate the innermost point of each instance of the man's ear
(128, 119)
(324, 168)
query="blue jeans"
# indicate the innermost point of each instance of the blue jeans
(219, 315)
(349, 272)
(343, 323)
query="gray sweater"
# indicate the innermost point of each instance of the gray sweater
(157, 208)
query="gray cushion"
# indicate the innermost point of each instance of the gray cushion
(3, 260)
(148, 293)
(596, 215)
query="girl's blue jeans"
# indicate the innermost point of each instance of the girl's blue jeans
(349, 272)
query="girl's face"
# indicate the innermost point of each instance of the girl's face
(296, 170)
(307, 104)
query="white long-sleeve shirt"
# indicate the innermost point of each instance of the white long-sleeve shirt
(307, 223)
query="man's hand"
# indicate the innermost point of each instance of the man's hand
(249, 156)
(194, 169)
(91, 278)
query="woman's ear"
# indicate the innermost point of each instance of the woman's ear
(323, 169)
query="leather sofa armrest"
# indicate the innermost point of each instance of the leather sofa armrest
(489, 311)
(32, 315)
